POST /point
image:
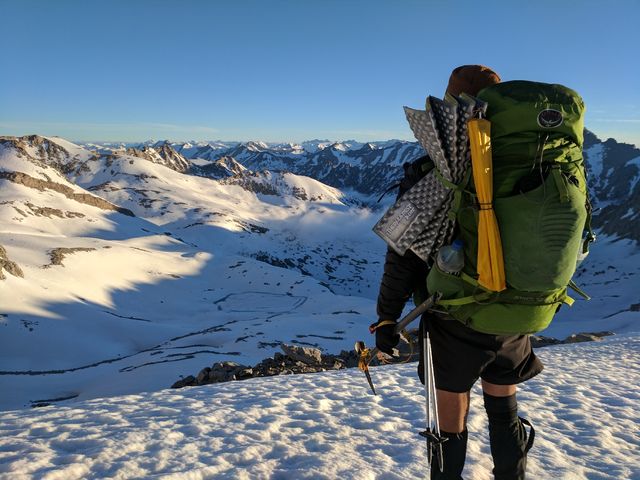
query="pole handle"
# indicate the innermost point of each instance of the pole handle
(416, 312)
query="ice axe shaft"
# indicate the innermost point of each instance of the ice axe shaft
(365, 354)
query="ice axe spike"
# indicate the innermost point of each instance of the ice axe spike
(363, 353)
(366, 354)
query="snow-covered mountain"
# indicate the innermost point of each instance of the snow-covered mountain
(124, 270)
(366, 168)
(124, 273)
(162, 154)
(615, 179)
(370, 168)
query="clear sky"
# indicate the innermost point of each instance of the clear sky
(278, 70)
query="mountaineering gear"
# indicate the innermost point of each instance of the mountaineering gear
(413, 172)
(470, 79)
(363, 362)
(420, 219)
(365, 355)
(541, 205)
(507, 179)
(537, 131)
(454, 455)
(404, 276)
(386, 337)
(490, 259)
(450, 258)
(508, 437)
(432, 431)
(462, 355)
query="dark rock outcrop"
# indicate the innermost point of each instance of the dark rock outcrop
(86, 198)
(57, 255)
(11, 267)
(296, 359)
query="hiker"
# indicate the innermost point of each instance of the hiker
(461, 355)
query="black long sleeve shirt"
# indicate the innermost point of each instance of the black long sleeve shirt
(403, 274)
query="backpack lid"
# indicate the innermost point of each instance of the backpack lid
(521, 106)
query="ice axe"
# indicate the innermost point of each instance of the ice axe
(365, 355)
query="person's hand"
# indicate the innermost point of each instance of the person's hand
(386, 338)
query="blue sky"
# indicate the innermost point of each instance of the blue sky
(279, 70)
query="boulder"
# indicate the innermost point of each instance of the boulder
(203, 375)
(185, 382)
(538, 341)
(310, 356)
(582, 337)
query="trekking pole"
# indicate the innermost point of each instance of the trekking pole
(434, 397)
(427, 389)
(365, 355)
(432, 432)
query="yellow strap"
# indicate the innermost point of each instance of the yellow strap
(568, 300)
(385, 322)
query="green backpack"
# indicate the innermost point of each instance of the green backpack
(542, 207)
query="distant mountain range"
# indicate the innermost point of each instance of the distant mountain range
(368, 169)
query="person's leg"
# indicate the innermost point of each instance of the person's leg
(498, 390)
(507, 434)
(453, 409)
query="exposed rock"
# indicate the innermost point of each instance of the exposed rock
(586, 337)
(52, 212)
(203, 375)
(222, 168)
(57, 254)
(162, 154)
(256, 182)
(296, 360)
(47, 152)
(8, 265)
(38, 184)
(538, 341)
(185, 382)
(310, 356)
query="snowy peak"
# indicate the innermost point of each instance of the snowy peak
(614, 170)
(284, 185)
(256, 146)
(222, 168)
(161, 153)
(55, 152)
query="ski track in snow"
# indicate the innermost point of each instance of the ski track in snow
(328, 426)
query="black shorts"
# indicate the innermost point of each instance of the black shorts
(462, 355)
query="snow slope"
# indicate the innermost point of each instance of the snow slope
(328, 426)
(207, 271)
(195, 277)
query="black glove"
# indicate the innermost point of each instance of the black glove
(386, 338)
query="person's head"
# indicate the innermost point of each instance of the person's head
(470, 79)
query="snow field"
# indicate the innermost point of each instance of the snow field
(328, 426)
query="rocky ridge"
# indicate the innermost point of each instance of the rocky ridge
(298, 360)
(86, 198)
(163, 154)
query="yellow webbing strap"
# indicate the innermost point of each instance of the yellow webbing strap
(383, 323)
